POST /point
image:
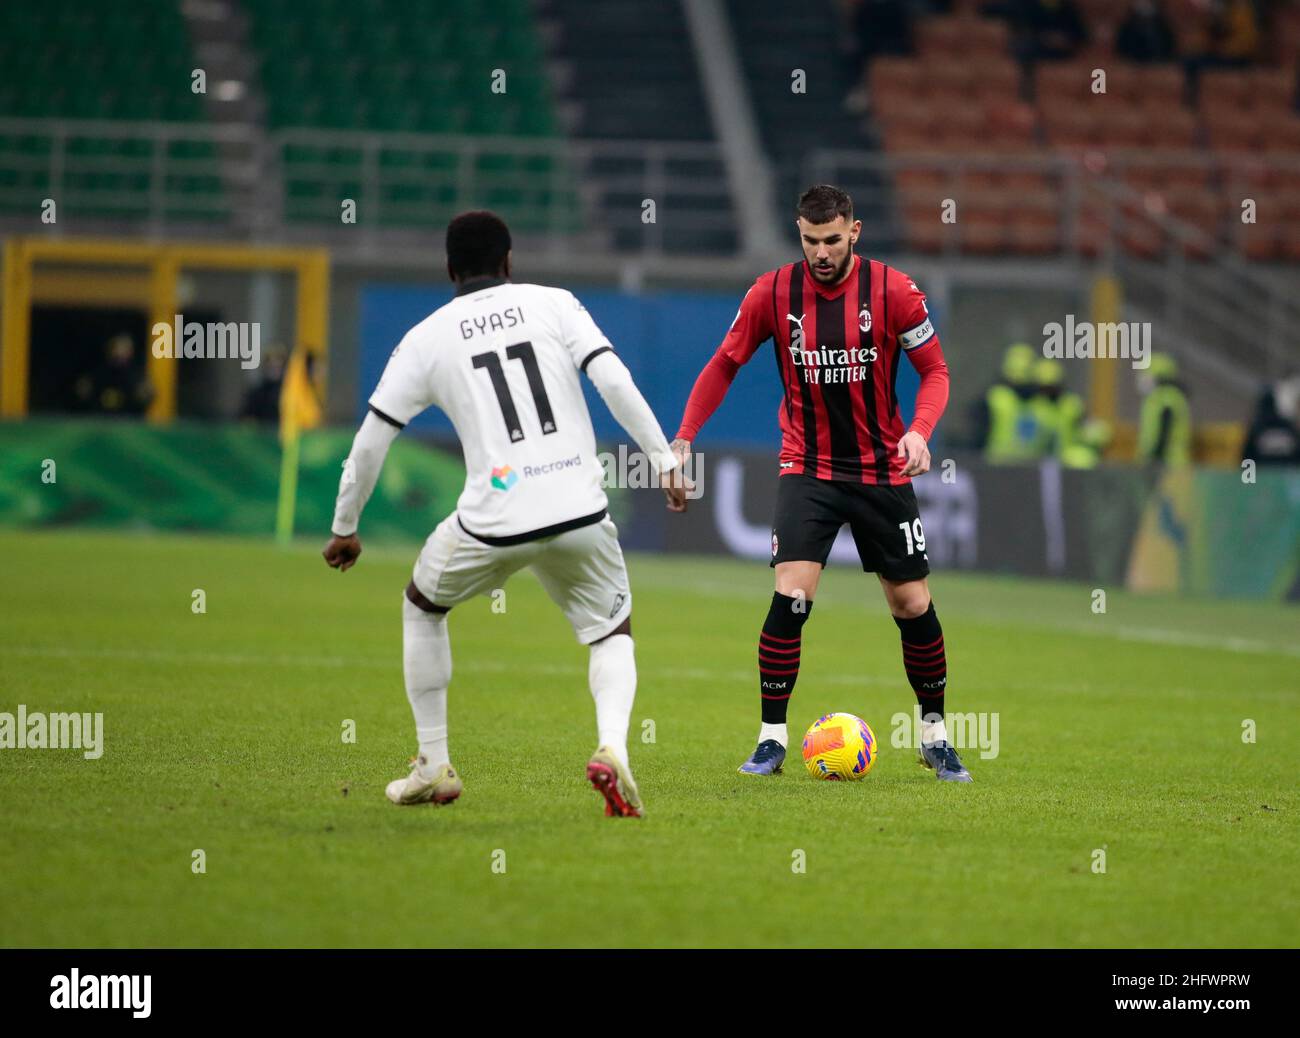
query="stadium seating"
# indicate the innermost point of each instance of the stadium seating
(630, 75)
(134, 65)
(1186, 150)
(410, 66)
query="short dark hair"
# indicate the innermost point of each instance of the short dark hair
(477, 244)
(821, 203)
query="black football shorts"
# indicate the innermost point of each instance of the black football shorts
(884, 520)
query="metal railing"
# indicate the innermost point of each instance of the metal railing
(162, 178)
(587, 198)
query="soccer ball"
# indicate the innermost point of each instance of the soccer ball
(839, 746)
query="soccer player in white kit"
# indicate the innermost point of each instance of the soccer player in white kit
(502, 360)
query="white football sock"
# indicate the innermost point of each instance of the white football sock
(933, 731)
(612, 674)
(426, 663)
(779, 732)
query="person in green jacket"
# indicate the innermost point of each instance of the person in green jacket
(1007, 425)
(1165, 422)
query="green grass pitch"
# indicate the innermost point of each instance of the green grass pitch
(1119, 732)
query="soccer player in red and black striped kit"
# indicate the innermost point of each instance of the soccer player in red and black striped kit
(839, 325)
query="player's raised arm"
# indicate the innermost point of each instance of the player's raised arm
(919, 340)
(399, 397)
(752, 326)
(594, 356)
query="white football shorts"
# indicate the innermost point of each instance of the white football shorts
(582, 570)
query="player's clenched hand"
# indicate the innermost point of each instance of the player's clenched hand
(912, 447)
(341, 552)
(675, 483)
(676, 486)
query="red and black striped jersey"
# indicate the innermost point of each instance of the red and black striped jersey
(837, 352)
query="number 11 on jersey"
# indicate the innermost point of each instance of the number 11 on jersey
(524, 353)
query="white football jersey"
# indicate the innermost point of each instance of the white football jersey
(503, 362)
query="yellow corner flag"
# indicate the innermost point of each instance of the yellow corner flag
(300, 408)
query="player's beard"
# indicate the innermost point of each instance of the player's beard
(837, 274)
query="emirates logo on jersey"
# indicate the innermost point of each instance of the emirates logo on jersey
(864, 320)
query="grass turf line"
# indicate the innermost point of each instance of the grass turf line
(223, 732)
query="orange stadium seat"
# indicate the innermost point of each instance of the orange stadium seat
(1224, 88)
(909, 109)
(1171, 127)
(1233, 131)
(1067, 124)
(1202, 209)
(890, 74)
(1065, 79)
(995, 79)
(941, 36)
(1012, 127)
(1281, 132)
(951, 78)
(1160, 85)
(925, 232)
(1124, 128)
(1272, 89)
(984, 228)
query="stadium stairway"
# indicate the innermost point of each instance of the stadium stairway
(775, 38)
(625, 72)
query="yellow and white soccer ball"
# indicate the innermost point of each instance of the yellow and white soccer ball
(839, 746)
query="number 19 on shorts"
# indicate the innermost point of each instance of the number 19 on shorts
(915, 536)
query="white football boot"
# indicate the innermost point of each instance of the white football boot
(442, 787)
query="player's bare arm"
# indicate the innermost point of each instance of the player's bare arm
(360, 473)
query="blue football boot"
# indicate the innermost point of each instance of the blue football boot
(766, 760)
(943, 759)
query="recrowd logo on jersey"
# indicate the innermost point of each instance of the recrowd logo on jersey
(504, 478)
(918, 336)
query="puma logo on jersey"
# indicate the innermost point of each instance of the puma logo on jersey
(796, 336)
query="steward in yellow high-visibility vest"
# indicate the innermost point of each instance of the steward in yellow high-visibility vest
(1165, 422)
(1008, 426)
(1061, 413)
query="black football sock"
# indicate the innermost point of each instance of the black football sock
(778, 654)
(924, 660)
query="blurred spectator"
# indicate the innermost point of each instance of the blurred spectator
(117, 385)
(1047, 29)
(1007, 426)
(1274, 436)
(1165, 422)
(1231, 34)
(262, 403)
(1145, 34)
(1060, 413)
